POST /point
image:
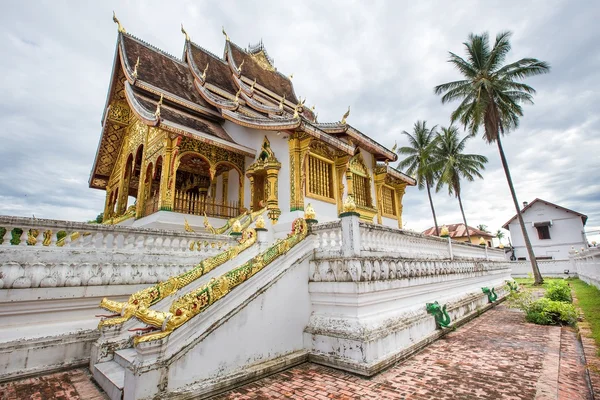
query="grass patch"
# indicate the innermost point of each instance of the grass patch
(588, 299)
(528, 282)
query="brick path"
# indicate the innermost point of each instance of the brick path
(495, 356)
(75, 384)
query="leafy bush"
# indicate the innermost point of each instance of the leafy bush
(550, 312)
(559, 290)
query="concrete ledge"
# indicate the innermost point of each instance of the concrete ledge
(369, 370)
(25, 358)
(249, 374)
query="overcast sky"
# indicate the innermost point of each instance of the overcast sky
(381, 58)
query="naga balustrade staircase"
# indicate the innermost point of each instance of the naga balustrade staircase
(117, 364)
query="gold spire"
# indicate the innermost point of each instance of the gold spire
(225, 33)
(204, 72)
(135, 69)
(116, 21)
(252, 86)
(345, 116)
(281, 102)
(239, 69)
(187, 37)
(158, 105)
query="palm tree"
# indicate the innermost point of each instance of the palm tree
(491, 95)
(500, 235)
(483, 228)
(453, 165)
(418, 162)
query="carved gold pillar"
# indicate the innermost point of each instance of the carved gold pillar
(303, 156)
(379, 181)
(168, 175)
(341, 165)
(124, 190)
(251, 179)
(241, 194)
(225, 187)
(296, 202)
(399, 195)
(273, 192)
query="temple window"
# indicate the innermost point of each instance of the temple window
(320, 178)
(389, 201)
(362, 190)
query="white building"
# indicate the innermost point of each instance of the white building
(553, 230)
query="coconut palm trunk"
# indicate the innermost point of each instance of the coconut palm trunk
(534, 266)
(462, 211)
(437, 233)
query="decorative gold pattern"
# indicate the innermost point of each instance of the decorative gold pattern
(193, 303)
(149, 296)
(260, 222)
(261, 59)
(187, 226)
(309, 212)
(349, 205)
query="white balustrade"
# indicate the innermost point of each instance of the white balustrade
(587, 265)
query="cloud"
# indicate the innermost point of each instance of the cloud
(382, 58)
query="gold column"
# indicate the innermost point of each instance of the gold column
(296, 202)
(124, 190)
(399, 195)
(272, 198)
(341, 165)
(168, 175)
(379, 180)
(141, 193)
(241, 194)
(225, 187)
(303, 150)
(251, 207)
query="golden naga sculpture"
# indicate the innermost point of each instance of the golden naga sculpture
(237, 96)
(281, 102)
(349, 204)
(224, 228)
(345, 116)
(129, 213)
(187, 226)
(158, 106)
(187, 37)
(135, 69)
(444, 232)
(152, 295)
(239, 69)
(236, 227)
(252, 86)
(204, 72)
(309, 212)
(225, 34)
(116, 21)
(193, 303)
(260, 222)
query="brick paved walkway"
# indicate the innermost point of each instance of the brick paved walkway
(495, 356)
(75, 384)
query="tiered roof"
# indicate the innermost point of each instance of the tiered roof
(201, 90)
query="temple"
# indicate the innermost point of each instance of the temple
(210, 138)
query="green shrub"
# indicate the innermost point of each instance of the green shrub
(559, 290)
(550, 312)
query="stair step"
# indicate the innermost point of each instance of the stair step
(125, 357)
(111, 378)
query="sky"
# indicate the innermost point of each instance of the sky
(382, 58)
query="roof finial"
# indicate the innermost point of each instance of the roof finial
(313, 108)
(135, 69)
(315, 120)
(225, 33)
(237, 96)
(281, 102)
(252, 86)
(291, 76)
(204, 72)
(158, 106)
(187, 37)
(395, 147)
(296, 109)
(343, 121)
(116, 21)
(239, 69)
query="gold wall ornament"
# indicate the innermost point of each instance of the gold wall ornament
(309, 212)
(204, 72)
(195, 302)
(145, 298)
(239, 68)
(349, 204)
(116, 21)
(135, 69)
(158, 106)
(187, 37)
(225, 33)
(32, 235)
(345, 116)
(260, 222)
(47, 238)
(236, 227)
(187, 226)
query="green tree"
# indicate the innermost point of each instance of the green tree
(500, 235)
(418, 161)
(454, 165)
(491, 96)
(483, 228)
